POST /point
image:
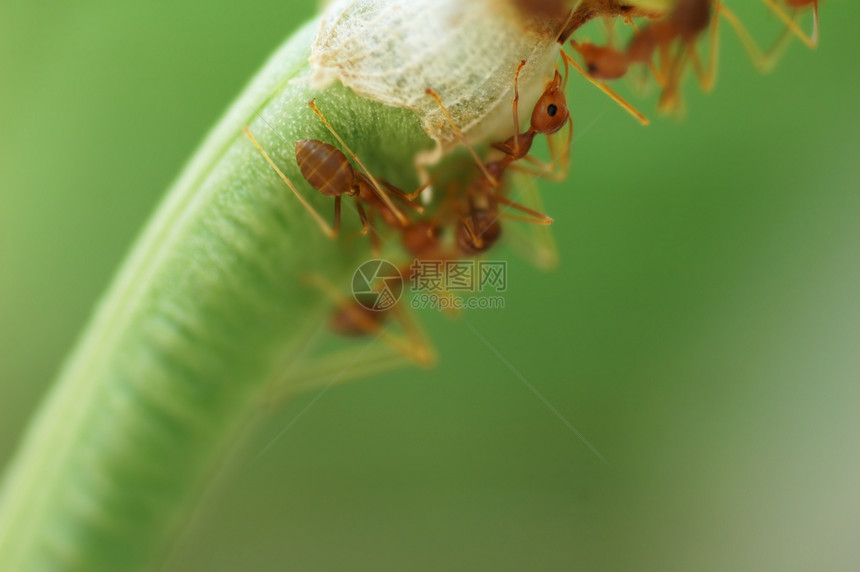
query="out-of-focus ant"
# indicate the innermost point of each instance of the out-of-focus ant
(352, 319)
(673, 37)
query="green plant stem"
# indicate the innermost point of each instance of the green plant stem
(204, 313)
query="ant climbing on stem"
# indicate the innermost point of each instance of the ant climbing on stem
(327, 169)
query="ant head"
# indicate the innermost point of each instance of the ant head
(551, 112)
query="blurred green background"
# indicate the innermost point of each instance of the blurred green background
(702, 331)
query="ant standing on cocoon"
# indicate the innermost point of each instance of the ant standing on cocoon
(478, 226)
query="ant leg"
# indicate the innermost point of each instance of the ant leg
(651, 66)
(367, 226)
(369, 222)
(407, 198)
(565, 153)
(763, 61)
(520, 218)
(811, 40)
(337, 201)
(815, 22)
(376, 187)
(606, 89)
(303, 371)
(417, 346)
(327, 230)
(535, 242)
(541, 170)
(334, 368)
(470, 223)
(538, 218)
(462, 137)
(515, 105)
(707, 76)
(670, 100)
(658, 75)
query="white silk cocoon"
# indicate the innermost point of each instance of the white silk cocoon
(467, 51)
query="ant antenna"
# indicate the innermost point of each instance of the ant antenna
(462, 137)
(605, 89)
(331, 233)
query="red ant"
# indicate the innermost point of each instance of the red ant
(479, 226)
(326, 169)
(687, 21)
(353, 320)
(684, 23)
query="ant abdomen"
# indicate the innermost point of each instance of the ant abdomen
(325, 167)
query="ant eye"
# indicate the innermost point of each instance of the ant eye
(552, 110)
